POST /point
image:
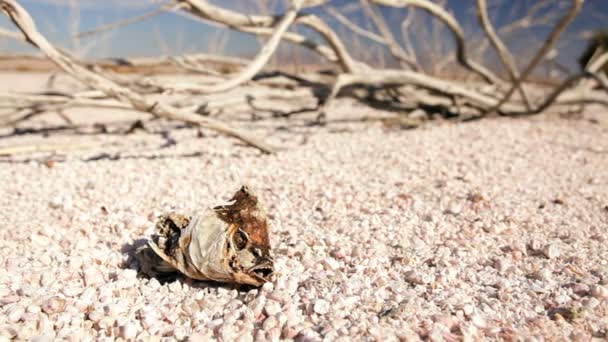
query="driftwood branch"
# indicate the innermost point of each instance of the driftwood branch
(540, 54)
(451, 22)
(501, 49)
(406, 86)
(128, 21)
(260, 60)
(24, 22)
(395, 49)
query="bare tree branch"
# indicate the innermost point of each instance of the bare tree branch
(10, 34)
(540, 54)
(503, 51)
(452, 24)
(354, 27)
(392, 44)
(128, 21)
(260, 60)
(24, 22)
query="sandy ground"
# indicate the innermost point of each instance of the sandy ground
(494, 229)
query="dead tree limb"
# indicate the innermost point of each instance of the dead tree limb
(407, 42)
(259, 24)
(10, 34)
(395, 49)
(260, 60)
(352, 26)
(128, 21)
(407, 87)
(540, 54)
(451, 22)
(24, 22)
(554, 95)
(501, 49)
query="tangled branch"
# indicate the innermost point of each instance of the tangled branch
(408, 86)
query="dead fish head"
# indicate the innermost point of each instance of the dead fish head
(247, 239)
(250, 261)
(229, 244)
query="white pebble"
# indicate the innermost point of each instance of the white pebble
(321, 307)
(551, 251)
(478, 321)
(544, 274)
(455, 208)
(56, 202)
(599, 292)
(128, 331)
(15, 313)
(92, 276)
(272, 308)
(468, 309)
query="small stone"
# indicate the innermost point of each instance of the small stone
(113, 309)
(56, 202)
(175, 287)
(551, 251)
(33, 309)
(216, 323)
(308, 334)
(9, 299)
(418, 114)
(180, 334)
(501, 265)
(599, 292)
(445, 320)
(479, 321)
(591, 303)
(544, 274)
(128, 331)
(468, 309)
(128, 274)
(267, 287)
(580, 289)
(7, 333)
(95, 316)
(269, 323)
(274, 334)
(413, 277)
(42, 338)
(15, 313)
(272, 308)
(155, 284)
(321, 307)
(92, 276)
(536, 245)
(53, 305)
(454, 208)
(106, 322)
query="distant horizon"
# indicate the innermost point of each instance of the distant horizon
(172, 34)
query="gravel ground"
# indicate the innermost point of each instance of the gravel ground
(494, 229)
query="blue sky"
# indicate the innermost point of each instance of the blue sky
(173, 34)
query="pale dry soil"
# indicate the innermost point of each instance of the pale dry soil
(494, 229)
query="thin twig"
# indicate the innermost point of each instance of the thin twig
(439, 13)
(260, 60)
(128, 21)
(503, 51)
(24, 22)
(540, 54)
(354, 27)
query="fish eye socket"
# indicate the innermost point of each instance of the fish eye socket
(240, 239)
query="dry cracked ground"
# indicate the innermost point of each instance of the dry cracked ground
(495, 229)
